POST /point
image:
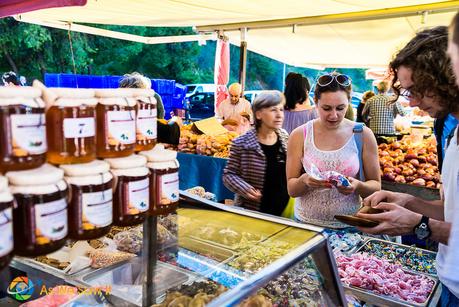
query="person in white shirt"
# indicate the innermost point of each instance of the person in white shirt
(423, 74)
(234, 105)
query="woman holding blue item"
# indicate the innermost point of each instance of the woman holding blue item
(331, 162)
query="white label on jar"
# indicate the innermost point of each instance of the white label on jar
(146, 123)
(139, 196)
(51, 221)
(6, 231)
(79, 127)
(121, 127)
(169, 188)
(29, 134)
(97, 208)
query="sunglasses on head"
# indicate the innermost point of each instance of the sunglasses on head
(327, 79)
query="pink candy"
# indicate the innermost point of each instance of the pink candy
(383, 278)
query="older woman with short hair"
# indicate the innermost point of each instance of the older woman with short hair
(256, 166)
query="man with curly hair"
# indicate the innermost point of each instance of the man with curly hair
(423, 73)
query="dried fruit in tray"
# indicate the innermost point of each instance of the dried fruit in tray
(260, 256)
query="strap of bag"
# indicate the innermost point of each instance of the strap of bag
(358, 130)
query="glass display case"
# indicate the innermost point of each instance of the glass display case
(212, 254)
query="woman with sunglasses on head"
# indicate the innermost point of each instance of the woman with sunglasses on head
(328, 144)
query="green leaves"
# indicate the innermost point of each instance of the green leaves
(33, 50)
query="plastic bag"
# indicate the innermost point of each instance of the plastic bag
(335, 178)
(129, 241)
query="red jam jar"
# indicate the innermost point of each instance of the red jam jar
(116, 131)
(131, 198)
(146, 119)
(164, 169)
(40, 217)
(90, 202)
(6, 224)
(22, 129)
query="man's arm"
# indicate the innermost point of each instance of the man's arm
(434, 208)
(396, 220)
(440, 231)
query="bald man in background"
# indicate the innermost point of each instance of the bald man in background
(234, 105)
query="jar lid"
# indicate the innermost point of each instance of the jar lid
(69, 97)
(39, 189)
(159, 154)
(5, 197)
(118, 96)
(3, 184)
(144, 95)
(101, 178)
(131, 161)
(21, 95)
(85, 169)
(131, 172)
(163, 165)
(19, 91)
(43, 175)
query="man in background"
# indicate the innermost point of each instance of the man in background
(234, 105)
(381, 112)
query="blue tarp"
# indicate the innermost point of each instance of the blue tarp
(196, 170)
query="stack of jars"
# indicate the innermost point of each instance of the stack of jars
(80, 197)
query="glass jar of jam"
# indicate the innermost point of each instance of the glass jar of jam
(90, 204)
(40, 217)
(115, 123)
(6, 224)
(131, 199)
(146, 117)
(71, 129)
(164, 169)
(22, 128)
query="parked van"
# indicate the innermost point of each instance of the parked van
(199, 88)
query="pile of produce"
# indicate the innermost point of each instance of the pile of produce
(405, 162)
(206, 145)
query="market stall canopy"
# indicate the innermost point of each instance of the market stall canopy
(327, 33)
(11, 7)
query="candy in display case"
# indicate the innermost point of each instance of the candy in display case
(243, 256)
(280, 262)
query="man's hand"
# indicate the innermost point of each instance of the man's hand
(394, 221)
(374, 199)
(253, 195)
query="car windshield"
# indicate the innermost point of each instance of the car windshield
(190, 89)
